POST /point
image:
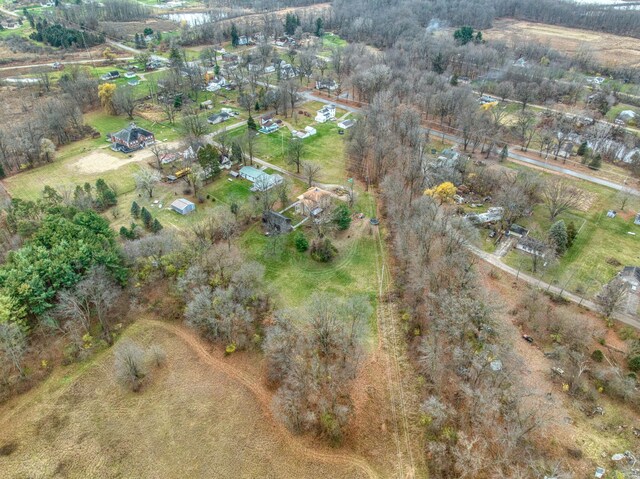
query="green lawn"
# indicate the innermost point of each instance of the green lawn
(294, 276)
(601, 243)
(326, 148)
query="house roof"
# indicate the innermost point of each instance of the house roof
(315, 195)
(531, 243)
(251, 173)
(518, 229)
(631, 271)
(181, 204)
(131, 133)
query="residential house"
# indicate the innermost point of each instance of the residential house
(346, 124)
(218, 118)
(306, 133)
(313, 201)
(265, 119)
(269, 127)
(532, 246)
(287, 71)
(261, 181)
(182, 206)
(326, 113)
(492, 215)
(326, 84)
(131, 138)
(112, 75)
(517, 231)
(631, 276)
(626, 116)
(270, 69)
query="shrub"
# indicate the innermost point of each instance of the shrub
(129, 365)
(597, 356)
(156, 356)
(322, 250)
(301, 242)
(230, 349)
(634, 363)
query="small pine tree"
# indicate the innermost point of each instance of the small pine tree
(559, 237)
(135, 210)
(2, 173)
(342, 217)
(454, 80)
(147, 219)
(156, 226)
(257, 106)
(251, 123)
(235, 38)
(582, 149)
(301, 242)
(572, 232)
(504, 154)
(595, 162)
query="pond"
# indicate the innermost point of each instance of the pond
(195, 18)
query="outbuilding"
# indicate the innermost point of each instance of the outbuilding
(183, 206)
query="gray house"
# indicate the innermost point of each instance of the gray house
(183, 206)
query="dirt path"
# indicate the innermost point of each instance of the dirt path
(391, 349)
(264, 399)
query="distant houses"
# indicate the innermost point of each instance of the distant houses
(326, 84)
(492, 215)
(218, 118)
(131, 138)
(112, 75)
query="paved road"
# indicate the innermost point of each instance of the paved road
(493, 260)
(512, 155)
(70, 62)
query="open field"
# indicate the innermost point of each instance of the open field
(608, 49)
(199, 416)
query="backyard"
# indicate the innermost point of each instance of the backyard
(602, 247)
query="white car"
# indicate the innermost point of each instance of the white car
(600, 472)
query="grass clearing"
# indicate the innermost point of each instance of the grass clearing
(193, 417)
(602, 247)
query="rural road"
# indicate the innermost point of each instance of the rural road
(70, 62)
(495, 261)
(512, 155)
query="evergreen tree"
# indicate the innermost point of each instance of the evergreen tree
(301, 242)
(464, 35)
(105, 196)
(251, 124)
(438, 64)
(504, 153)
(175, 57)
(235, 38)
(572, 232)
(558, 235)
(2, 173)
(454, 80)
(156, 226)
(147, 219)
(595, 162)
(319, 27)
(582, 149)
(135, 210)
(342, 217)
(236, 153)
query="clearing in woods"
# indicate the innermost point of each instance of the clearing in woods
(200, 416)
(608, 49)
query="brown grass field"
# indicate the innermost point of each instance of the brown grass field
(201, 415)
(609, 50)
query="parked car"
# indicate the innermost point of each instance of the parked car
(527, 338)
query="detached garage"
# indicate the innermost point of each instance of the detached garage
(183, 206)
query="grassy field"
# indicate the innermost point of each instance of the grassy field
(294, 276)
(326, 148)
(610, 50)
(199, 413)
(603, 245)
(65, 171)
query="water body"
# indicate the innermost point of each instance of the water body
(195, 18)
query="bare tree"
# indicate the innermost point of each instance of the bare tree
(559, 196)
(146, 180)
(159, 150)
(130, 365)
(13, 345)
(124, 101)
(311, 172)
(295, 150)
(612, 298)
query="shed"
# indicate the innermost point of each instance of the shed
(346, 124)
(517, 231)
(183, 206)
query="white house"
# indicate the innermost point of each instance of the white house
(306, 133)
(346, 124)
(326, 113)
